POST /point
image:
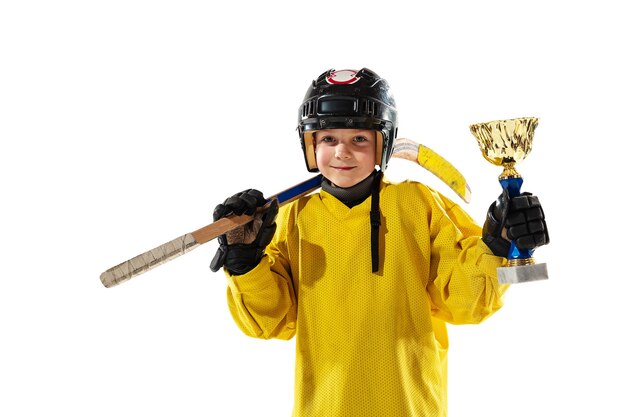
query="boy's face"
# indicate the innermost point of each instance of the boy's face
(345, 156)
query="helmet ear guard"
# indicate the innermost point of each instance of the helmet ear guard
(309, 151)
(348, 99)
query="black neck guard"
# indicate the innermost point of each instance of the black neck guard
(351, 196)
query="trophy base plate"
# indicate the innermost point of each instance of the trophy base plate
(519, 274)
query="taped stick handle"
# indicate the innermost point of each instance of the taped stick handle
(148, 260)
(187, 242)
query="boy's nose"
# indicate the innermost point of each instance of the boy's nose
(341, 152)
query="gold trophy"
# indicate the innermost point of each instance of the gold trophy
(505, 143)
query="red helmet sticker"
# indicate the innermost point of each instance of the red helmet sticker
(342, 77)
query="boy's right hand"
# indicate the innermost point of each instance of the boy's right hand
(242, 248)
(519, 219)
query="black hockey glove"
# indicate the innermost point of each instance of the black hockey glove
(523, 218)
(241, 249)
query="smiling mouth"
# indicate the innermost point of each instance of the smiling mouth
(343, 168)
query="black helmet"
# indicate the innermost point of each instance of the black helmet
(348, 99)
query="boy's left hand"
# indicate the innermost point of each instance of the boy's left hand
(519, 219)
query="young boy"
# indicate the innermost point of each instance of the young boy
(366, 273)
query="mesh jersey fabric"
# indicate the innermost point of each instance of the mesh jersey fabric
(369, 344)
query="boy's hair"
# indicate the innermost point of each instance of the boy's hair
(348, 99)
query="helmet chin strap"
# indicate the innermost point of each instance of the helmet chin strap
(375, 220)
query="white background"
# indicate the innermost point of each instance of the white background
(123, 123)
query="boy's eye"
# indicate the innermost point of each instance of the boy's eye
(327, 139)
(360, 139)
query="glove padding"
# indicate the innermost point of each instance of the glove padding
(242, 248)
(523, 219)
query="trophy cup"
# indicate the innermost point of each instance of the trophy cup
(505, 143)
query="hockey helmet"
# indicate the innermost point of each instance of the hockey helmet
(348, 99)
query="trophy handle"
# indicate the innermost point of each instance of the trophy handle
(516, 256)
(520, 265)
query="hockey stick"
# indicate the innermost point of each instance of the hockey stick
(404, 148)
(187, 242)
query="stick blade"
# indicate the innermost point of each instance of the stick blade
(435, 163)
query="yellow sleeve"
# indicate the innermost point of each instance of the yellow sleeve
(463, 285)
(262, 302)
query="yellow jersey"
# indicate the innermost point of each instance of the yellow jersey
(369, 344)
